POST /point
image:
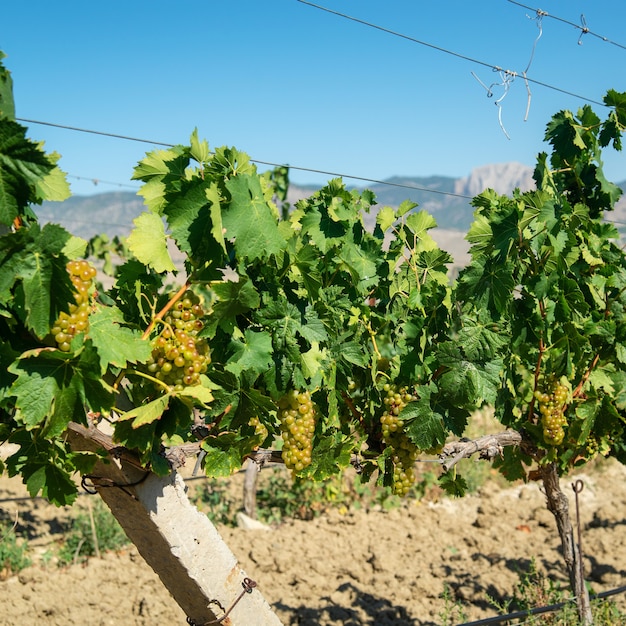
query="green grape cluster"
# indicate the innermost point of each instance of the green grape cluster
(68, 325)
(179, 357)
(592, 446)
(260, 430)
(552, 400)
(296, 414)
(405, 452)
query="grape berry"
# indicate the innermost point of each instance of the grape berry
(405, 452)
(260, 430)
(552, 401)
(179, 357)
(67, 326)
(296, 414)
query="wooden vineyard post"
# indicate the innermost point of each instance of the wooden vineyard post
(180, 544)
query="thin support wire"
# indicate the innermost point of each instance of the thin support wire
(269, 163)
(584, 30)
(444, 50)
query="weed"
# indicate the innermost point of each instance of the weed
(13, 552)
(215, 499)
(452, 612)
(536, 590)
(281, 497)
(91, 532)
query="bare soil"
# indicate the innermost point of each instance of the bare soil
(361, 567)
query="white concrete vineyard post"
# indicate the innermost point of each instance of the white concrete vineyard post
(180, 544)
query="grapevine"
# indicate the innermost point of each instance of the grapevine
(319, 301)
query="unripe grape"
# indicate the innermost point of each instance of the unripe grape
(296, 415)
(404, 450)
(260, 430)
(180, 356)
(552, 400)
(77, 320)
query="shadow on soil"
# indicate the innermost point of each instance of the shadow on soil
(366, 610)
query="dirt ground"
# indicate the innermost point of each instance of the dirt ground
(352, 568)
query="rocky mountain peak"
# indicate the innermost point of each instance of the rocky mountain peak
(502, 177)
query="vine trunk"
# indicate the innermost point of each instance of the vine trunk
(559, 507)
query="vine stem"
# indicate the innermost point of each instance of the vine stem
(161, 314)
(531, 404)
(585, 377)
(152, 379)
(373, 338)
(157, 318)
(590, 369)
(355, 412)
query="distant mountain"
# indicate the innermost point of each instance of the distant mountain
(446, 198)
(109, 212)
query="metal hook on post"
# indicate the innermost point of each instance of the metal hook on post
(578, 486)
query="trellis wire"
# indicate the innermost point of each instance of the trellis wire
(499, 619)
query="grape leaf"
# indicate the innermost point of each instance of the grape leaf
(54, 387)
(223, 454)
(23, 165)
(419, 224)
(199, 150)
(424, 427)
(386, 217)
(46, 467)
(405, 207)
(313, 361)
(305, 269)
(313, 328)
(53, 186)
(217, 229)
(116, 344)
(479, 234)
(160, 170)
(453, 484)
(7, 104)
(253, 352)
(481, 342)
(147, 413)
(188, 219)
(35, 387)
(466, 381)
(510, 464)
(361, 267)
(148, 243)
(75, 247)
(201, 393)
(233, 298)
(488, 283)
(249, 220)
(331, 454)
(33, 259)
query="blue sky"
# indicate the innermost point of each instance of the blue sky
(289, 83)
